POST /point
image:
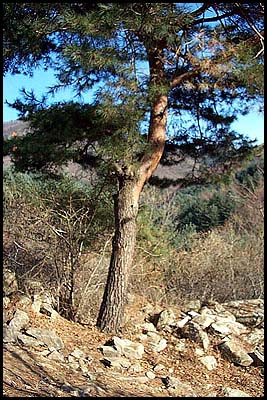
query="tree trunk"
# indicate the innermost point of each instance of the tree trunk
(110, 316)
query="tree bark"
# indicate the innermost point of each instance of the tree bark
(110, 317)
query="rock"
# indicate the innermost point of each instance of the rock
(178, 388)
(77, 353)
(19, 321)
(135, 368)
(256, 337)
(148, 327)
(37, 302)
(207, 311)
(166, 318)
(30, 341)
(118, 362)
(210, 362)
(183, 321)
(192, 305)
(48, 310)
(204, 320)
(180, 346)
(48, 337)
(155, 342)
(199, 352)
(235, 353)
(6, 301)
(158, 367)
(225, 327)
(110, 352)
(194, 332)
(128, 348)
(56, 356)
(161, 345)
(229, 392)
(10, 284)
(24, 302)
(10, 335)
(150, 375)
(258, 358)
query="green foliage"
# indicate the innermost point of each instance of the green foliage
(251, 176)
(207, 214)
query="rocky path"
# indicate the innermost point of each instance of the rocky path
(201, 350)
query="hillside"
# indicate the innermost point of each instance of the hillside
(182, 353)
(17, 126)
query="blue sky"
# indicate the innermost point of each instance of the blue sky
(251, 125)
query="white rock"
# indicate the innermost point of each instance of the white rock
(182, 322)
(150, 375)
(209, 362)
(229, 392)
(160, 346)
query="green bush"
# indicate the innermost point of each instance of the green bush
(207, 214)
(252, 175)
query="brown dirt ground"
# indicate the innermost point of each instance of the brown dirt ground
(28, 374)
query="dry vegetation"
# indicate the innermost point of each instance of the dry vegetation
(63, 242)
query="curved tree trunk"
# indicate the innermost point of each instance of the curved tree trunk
(110, 317)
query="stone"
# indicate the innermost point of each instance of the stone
(148, 327)
(10, 335)
(235, 353)
(180, 346)
(183, 322)
(158, 367)
(150, 375)
(192, 305)
(77, 353)
(48, 337)
(229, 392)
(30, 341)
(19, 321)
(225, 327)
(177, 388)
(207, 311)
(258, 358)
(209, 362)
(160, 346)
(6, 301)
(135, 368)
(56, 356)
(118, 362)
(166, 318)
(204, 320)
(199, 352)
(128, 348)
(110, 352)
(10, 284)
(24, 302)
(194, 332)
(37, 302)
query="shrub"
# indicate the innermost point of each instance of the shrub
(207, 214)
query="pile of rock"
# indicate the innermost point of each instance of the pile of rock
(234, 328)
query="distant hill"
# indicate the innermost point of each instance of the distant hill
(168, 174)
(18, 126)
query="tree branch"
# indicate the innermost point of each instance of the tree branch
(186, 75)
(214, 19)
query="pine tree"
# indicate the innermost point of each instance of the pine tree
(191, 55)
